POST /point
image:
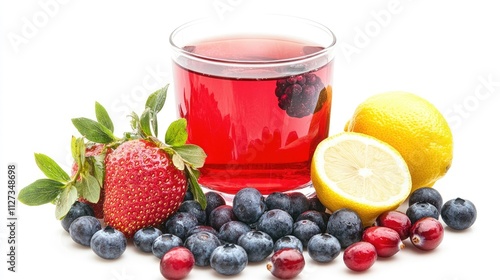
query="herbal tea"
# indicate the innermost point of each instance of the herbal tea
(258, 127)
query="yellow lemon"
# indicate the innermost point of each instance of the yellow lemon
(359, 172)
(414, 127)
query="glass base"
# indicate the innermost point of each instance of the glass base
(307, 189)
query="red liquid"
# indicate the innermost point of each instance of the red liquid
(248, 138)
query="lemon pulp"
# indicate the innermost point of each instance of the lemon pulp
(360, 172)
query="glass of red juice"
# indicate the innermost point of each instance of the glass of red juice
(257, 95)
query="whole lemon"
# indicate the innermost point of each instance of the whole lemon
(414, 127)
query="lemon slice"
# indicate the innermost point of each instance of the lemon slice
(359, 172)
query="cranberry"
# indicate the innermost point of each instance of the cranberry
(360, 256)
(177, 263)
(427, 233)
(386, 240)
(396, 220)
(286, 263)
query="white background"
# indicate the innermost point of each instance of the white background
(58, 57)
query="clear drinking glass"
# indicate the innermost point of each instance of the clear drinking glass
(257, 95)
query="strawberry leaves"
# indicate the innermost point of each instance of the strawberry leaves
(100, 131)
(40, 192)
(186, 157)
(61, 189)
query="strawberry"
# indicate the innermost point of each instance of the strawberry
(143, 179)
(142, 186)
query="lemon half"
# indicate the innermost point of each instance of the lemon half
(359, 172)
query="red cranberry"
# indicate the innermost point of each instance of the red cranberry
(286, 263)
(427, 233)
(177, 263)
(396, 220)
(386, 240)
(360, 256)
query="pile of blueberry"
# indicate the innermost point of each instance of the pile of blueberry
(278, 228)
(301, 95)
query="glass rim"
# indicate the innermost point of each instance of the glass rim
(325, 49)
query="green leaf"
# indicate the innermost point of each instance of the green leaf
(40, 192)
(155, 103)
(78, 150)
(103, 117)
(134, 121)
(93, 131)
(65, 201)
(192, 154)
(176, 134)
(145, 122)
(89, 188)
(196, 188)
(178, 161)
(157, 99)
(98, 162)
(50, 168)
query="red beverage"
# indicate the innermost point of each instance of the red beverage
(259, 126)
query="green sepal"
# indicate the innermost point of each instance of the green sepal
(50, 168)
(196, 190)
(98, 163)
(102, 117)
(191, 154)
(40, 192)
(89, 188)
(176, 134)
(154, 104)
(157, 99)
(68, 196)
(78, 151)
(145, 123)
(93, 131)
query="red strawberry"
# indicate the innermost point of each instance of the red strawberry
(143, 180)
(142, 186)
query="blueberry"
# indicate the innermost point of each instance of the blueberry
(194, 207)
(229, 259)
(232, 230)
(144, 238)
(214, 200)
(315, 204)
(277, 223)
(163, 243)
(248, 205)
(419, 210)
(180, 223)
(320, 218)
(346, 226)
(189, 195)
(304, 230)
(258, 245)
(199, 228)
(77, 210)
(426, 194)
(278, 200)
(299, 204)
(288, 241)
(83, 228)
(459, 213)
(202, 244)
(108, 243)
(323, 247)
(220, 216)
